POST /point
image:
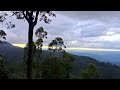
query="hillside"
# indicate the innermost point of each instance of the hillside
(107, 70)
(11, 53)
(103, 56)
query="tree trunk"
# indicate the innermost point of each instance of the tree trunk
(37, 64)
(30, 51)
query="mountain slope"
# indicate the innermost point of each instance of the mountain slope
(6, 44)
(104, 56)
(11, 53)
(107, 70)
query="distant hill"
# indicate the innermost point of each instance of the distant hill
(107, 70)
(103, 56)
(11, 53)
(6, 44)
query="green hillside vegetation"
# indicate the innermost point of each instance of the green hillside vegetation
(16, 68)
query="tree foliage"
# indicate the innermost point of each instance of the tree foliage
(32, 18)
(90, 72)
(54, 68)
(57, 45)
(2, 35)
(40, 34)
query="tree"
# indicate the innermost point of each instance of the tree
(56, 45)
(53, 69)
(26, 56)
(32, 18)
(26, 51)
(37, 49)
(40, 34)
(2, 35)
(68, 60)
(90, 73)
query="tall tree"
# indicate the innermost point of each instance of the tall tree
(40, 34)
(26, 55)
(57, 45)
(32, 18)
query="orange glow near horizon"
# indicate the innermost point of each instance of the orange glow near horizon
(90, 49)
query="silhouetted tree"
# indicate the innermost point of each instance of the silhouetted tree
(2, 35)
(56, 45)
(53, 69)
(40, 34)
(32, 18)
(26, 56)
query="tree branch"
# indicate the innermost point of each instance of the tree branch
(25, 15)
(31, 16)
(31, 12)
(36, 17)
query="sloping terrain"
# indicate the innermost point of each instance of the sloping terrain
(107, 70)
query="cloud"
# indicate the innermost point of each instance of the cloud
(93, 29)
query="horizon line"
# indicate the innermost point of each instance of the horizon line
(75, 48)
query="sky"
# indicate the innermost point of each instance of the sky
(79, 29)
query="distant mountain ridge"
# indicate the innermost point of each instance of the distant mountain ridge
(11, 53)
(6, 44)
(103, 56)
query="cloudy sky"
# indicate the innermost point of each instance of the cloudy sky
(84, 29)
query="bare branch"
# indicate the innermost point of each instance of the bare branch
(25, 15)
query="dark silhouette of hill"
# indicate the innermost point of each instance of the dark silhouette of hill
(106, 70)
(11, 53)
(6, 44)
